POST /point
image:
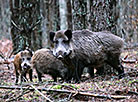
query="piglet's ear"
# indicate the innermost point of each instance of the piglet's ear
(68, 33)
(52, 34)
(21, 53)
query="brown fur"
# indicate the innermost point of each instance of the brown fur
(45, 63)
(19, 71)
(85, 48)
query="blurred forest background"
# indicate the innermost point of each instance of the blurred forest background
(28, 22)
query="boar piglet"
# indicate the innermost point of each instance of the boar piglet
(22, 64)
(45, 63)
(84, 48)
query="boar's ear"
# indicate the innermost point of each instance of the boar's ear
(21, 53)
(31, 52)
(52, 34)
(68, 33)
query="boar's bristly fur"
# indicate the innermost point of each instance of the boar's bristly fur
(45, 63)
(84, 48)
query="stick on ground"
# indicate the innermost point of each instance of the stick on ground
(68, 91)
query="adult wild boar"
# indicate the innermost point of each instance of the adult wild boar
(83, 48)
(45, 63)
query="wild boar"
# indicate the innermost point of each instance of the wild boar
(22, 64)
(45, 63)
(84, 48)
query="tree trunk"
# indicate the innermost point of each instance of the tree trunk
(127, 25)
(50, 11)
(25, 19)
(103, 15)
(69, 14)
(4, 19)
(79, 14)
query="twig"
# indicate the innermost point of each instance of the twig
(129, 61)
(99, 88)
(5, 62)
(68, 91)
(18, 96)
(132, 68)
(125, 92)
(2, 55)
(15, 25)
(41, 93)
(34, 25)
(125, 57)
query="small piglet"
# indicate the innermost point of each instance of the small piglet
(45, 63)
(22, 64)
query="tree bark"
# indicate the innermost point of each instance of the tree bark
(4, 19)
(25, 29)
(51, 19)
(69, 14)
(79, 14)
(103, 15)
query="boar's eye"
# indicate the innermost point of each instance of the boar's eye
(28, 58)
(65, 41)
(22, 59)
(56, 42)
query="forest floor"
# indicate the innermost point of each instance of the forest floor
(100, 88)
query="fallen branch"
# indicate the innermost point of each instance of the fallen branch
(128, 61)
(41, 93)
(68, 91)
(125, 92)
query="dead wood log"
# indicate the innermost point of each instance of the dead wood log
(78, 92)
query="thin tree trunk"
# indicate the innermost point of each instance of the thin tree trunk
(51, 19)
(69, 14)
(79, 14)
(25, 19)
(103, 15)
(4, 19)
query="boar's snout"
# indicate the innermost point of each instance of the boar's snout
(60, 55)
(25, 66)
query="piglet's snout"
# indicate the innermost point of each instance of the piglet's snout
(25, 66)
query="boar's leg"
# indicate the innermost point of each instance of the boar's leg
(30, 74)
(69, 76)
(91, 71)
(39, 76)
(17, 76)
(55, 78)
(23, 77)
(78, 71)
(115, 63)
(100, 70)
